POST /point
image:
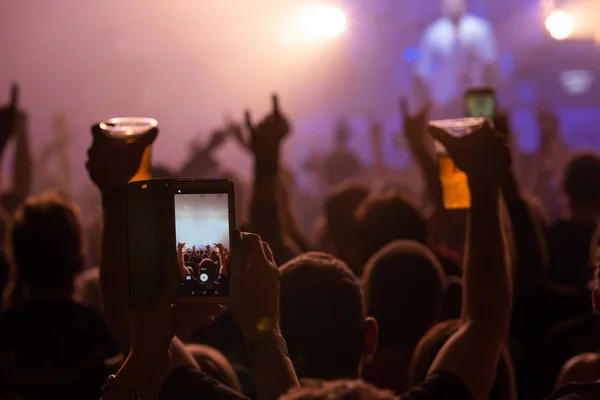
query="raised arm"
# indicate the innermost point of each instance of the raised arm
(255, 302)
(111, 164)
(472, 353)
(11, 121)
(415, 130)
(22, 172)
(265, 212)
(181, 262)
(111, 178)
(202, 161)
(531, 257)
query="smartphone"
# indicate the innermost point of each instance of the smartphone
(481, 103)
(199, 214)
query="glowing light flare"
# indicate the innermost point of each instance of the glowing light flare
(560, 24)
(577, 81)
(313, 23)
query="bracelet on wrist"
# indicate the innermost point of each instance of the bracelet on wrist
(267, 335)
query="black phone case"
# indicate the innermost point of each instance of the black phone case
(150, 235)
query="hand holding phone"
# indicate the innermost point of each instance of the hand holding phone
(168, 219)
(256, 311)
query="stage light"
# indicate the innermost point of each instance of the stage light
(312, 23)
(576, 81)
(560, 24)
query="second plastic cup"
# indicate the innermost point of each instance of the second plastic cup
(131, 129)
(455, 184)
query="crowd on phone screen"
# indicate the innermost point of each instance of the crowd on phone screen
(206, 270)
(193, 260)
(388, 297)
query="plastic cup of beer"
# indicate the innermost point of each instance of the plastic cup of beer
(131, 129)
(455, 184)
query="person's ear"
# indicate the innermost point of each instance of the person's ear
(370, 338)
(596, 299)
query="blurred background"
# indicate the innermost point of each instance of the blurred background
(191, 64)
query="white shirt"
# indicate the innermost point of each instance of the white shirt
(454, 59)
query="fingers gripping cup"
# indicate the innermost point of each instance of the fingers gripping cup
(455, 184)
(131, 129)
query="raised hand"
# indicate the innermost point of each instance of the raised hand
(217, 138)
(155, 326)
(234, 129)
(113, 162)
(255, 288)
(266, 137)
(180, 246)
(414, 125)
(9, 117)
(483, 155)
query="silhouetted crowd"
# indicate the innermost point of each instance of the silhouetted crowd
(390, 297)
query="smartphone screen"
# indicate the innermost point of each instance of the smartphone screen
(481, 103)
(203, 224)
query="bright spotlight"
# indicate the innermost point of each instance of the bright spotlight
(560, 24)
(314, 23)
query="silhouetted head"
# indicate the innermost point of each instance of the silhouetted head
(385, 218)
(338, 390)
(504, 385)
(454, 9)
(404, 285)
(582, 181)
(340, 208)
(211, 268)
(47, 225)
(186, 258)
(323, 317)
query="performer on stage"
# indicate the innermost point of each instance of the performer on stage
(458, 52)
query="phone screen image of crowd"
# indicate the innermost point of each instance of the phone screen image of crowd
(203, 248)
